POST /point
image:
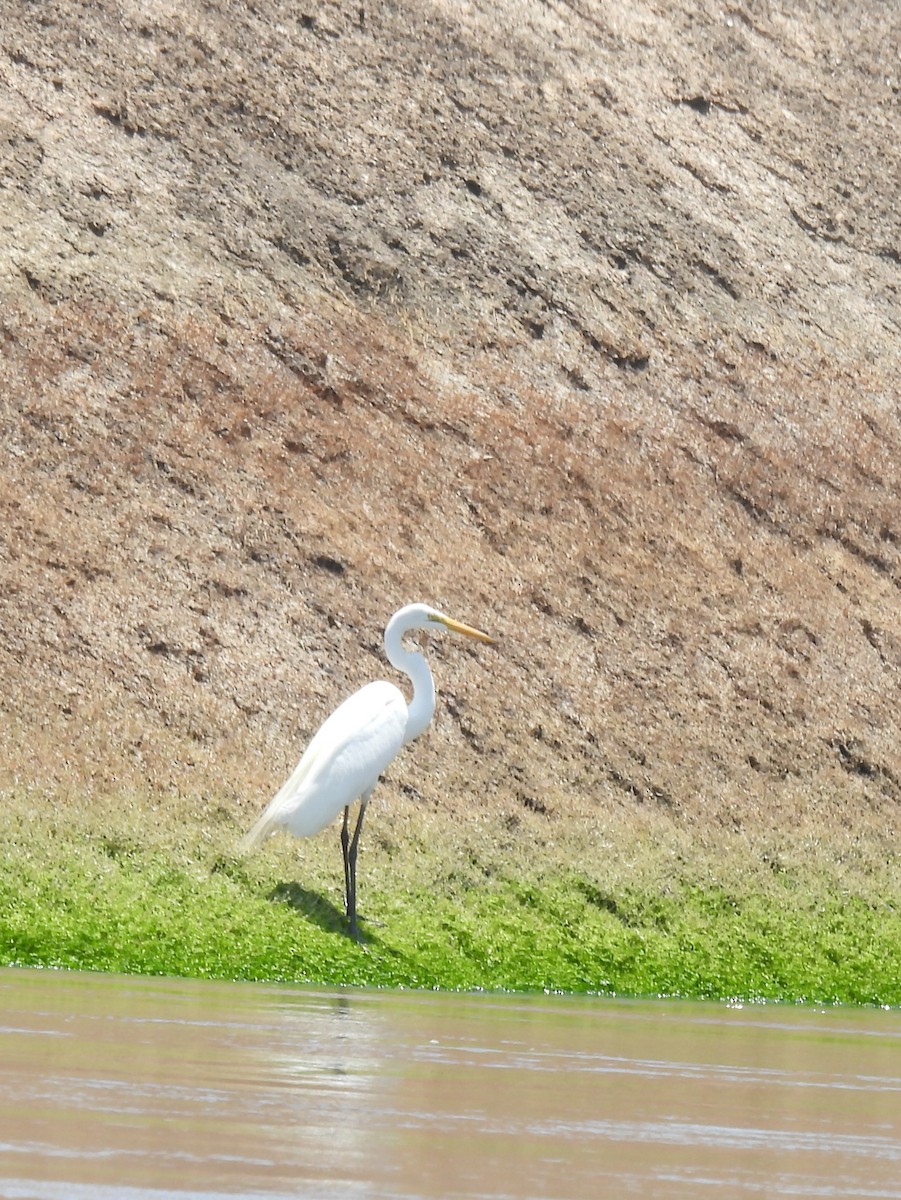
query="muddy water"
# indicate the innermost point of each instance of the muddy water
(121, 1089)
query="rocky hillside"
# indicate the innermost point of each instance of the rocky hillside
(578, 320)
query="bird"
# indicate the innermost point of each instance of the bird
(355, 744)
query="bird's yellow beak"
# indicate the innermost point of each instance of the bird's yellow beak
(459, 627)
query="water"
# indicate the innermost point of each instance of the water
(131, 1089)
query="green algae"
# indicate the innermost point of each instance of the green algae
(123, 889)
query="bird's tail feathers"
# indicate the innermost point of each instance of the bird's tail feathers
(259, 832)
(281, 803)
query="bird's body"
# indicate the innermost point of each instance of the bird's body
(355, 745)
(348, 752)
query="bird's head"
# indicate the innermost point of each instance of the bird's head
(458, 627)
(423, 616)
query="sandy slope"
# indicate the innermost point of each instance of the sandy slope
(579, 320)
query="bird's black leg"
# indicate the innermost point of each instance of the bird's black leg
(345, 844)
(350, 867)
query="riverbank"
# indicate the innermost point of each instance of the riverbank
(603, 907)
(580, 325)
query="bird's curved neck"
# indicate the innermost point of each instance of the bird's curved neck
(421, 708)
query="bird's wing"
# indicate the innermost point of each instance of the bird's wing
(343, 761)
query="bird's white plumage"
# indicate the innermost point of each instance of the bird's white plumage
(348, 753)
(352, 748)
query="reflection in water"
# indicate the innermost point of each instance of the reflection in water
(119, 1089)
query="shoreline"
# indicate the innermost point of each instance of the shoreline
(451, 907)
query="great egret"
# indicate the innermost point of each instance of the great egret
(355, 744)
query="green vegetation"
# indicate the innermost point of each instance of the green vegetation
(497, 905)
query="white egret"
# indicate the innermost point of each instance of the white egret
(355, 744)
